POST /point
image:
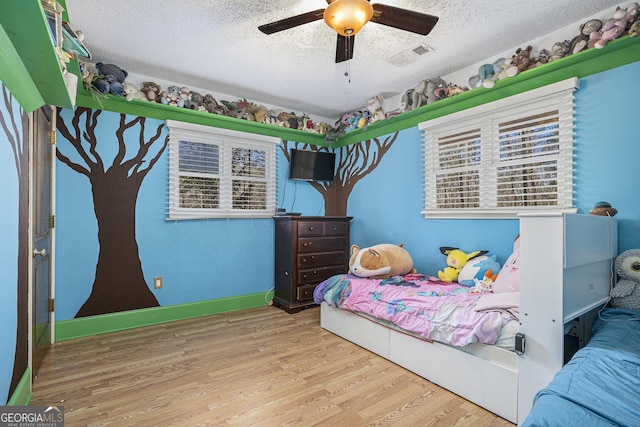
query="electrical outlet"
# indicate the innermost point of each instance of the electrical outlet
(157, 282)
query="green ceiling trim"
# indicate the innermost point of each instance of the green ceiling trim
(591, 61)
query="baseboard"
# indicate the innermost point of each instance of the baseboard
(22, 394)
(94, 325)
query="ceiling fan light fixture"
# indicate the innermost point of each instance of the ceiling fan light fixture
(347, 17)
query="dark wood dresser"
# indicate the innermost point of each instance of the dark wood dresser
(309, 249)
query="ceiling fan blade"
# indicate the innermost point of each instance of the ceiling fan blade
(294, 21)
(408, 20)
(344, 48)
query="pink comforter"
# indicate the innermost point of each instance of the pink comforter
(423, 305)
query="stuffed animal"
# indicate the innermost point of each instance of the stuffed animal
(405, 101)
(484, 285)
(559, 50)
(171, 96)
(108, 84)
(151, 90)
(374, 106)
(616, 26)
(380, 261)
(196, 101)
(489, 74)
(131, 92)
(110, 79)
(456, 259)
(118, 73)
(257, 112)
(185, 96)
(476, 268)
(522, 59)
(424, 92)
(626, 293)
(581, 41)
(634, 29)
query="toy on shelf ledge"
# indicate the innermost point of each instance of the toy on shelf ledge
(374, 106)
(151, 91)
(582, 40)
(171, 97)
(110, 79)
(131, 92)
(616, 26)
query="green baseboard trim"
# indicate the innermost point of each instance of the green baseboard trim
(94, 325)
(22, 395)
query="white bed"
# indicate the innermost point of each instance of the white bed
(565, 273)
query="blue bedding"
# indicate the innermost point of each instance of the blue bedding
(600, 386)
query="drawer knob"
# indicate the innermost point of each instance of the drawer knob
(310, 228)
(306, 244)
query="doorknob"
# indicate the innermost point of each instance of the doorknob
(40, 252)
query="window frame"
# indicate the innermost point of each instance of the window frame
(226, 140)
(485, 118)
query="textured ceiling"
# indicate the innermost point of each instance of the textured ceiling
(215, 45)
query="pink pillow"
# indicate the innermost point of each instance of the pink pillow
(508, 279)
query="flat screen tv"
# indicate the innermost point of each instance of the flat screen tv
(312, 165)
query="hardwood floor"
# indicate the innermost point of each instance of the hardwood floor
(258, 367)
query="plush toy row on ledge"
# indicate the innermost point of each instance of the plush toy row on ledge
(111, 79)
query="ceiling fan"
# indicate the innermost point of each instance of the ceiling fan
(347, 17)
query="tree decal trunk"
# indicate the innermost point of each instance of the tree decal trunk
(17, 131)
(354, 162)
(119, 284)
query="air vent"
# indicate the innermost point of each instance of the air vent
(410, 55)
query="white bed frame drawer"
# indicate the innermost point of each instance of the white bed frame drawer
(356, 329)
(490, 385)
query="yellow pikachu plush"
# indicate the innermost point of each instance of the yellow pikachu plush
(456, 259)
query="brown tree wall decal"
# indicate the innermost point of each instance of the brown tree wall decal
(354, 162)
(17, 132)
(119, 282)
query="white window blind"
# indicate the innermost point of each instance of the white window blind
(509, 156)
(220, 173)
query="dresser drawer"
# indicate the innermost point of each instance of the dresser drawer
(321, 244)
(310, 229)
(321, 259)
(305, 292)
(317, 275)
(307, 228)
(335, 229)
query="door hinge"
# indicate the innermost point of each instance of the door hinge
(52, 137)
(52, 221)
(52, 305)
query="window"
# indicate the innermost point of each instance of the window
(220, 173)
(495, 160)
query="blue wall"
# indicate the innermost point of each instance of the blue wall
(197, 259)
(386, 205)
(209, 259)
(8, 255)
